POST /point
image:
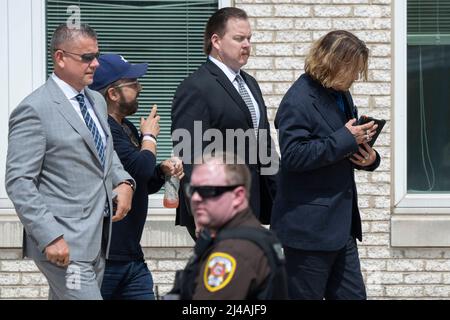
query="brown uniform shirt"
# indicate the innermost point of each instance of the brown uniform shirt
(234, 268)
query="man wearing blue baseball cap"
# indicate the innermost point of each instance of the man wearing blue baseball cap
(126, 274)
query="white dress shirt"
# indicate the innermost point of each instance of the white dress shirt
(71, 93)
(232, 76)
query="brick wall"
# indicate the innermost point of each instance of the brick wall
(21, 279)
(282, 33)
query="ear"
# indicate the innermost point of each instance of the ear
(112, 94)
(240, 196)
(58, 58)
(215, 41)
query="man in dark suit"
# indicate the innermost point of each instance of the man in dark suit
(316, 214)
(219, 100)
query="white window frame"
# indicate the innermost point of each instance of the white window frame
(435, 203)
(37, 72)
(23, 64)
(224, 3)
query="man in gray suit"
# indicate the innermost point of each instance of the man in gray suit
(61, 170)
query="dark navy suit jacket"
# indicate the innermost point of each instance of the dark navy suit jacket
(316, 203)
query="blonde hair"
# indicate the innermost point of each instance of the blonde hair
(335, 57)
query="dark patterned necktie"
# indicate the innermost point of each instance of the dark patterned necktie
(92, 128)
(248, 101)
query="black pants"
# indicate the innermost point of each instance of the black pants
(333, 275)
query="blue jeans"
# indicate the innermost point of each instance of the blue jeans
(127, 280)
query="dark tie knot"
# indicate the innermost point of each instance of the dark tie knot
(239, 78)
(80, 98)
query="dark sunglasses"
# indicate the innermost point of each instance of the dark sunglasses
(208, 191)
(85, 57)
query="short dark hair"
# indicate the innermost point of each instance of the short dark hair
(64, 34)
(236, 172)
(217, 24)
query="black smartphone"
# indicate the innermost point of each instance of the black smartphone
(380, 123)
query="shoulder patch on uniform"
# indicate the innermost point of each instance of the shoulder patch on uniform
(219, 271)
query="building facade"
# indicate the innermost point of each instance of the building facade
(405, 204)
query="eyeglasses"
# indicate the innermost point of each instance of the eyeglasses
(85, 57)
(208, 191)
(135, 84)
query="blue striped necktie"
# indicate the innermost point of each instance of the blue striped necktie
(92, 128)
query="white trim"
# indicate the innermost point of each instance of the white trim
(424, 201)
(4, 92)
(400, 95)
(401, 197)
(224, 3)
(421, 211)
(6, 205)
(23, 64)
(39, 45)
(420, 231)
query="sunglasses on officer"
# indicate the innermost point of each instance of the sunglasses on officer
(85, 57)
(208, 191)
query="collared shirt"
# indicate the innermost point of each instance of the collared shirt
(338, 96)
(231, 75)
(71, 93)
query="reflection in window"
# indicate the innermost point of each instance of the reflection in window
(428, 110)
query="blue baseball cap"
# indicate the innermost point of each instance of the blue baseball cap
(114, 67)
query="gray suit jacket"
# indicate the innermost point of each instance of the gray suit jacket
(54, 176)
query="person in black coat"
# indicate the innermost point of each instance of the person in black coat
(218, 99)
(315, 213)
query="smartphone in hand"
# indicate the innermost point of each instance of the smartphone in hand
(380, 123)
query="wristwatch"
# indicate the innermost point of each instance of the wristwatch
(128, 182)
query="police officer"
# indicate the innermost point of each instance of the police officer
(234, 257)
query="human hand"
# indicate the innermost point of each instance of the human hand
(173, 167)
(365, 157)
(123, 201)
(151, 124)
(362, 133)
(58, 252)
